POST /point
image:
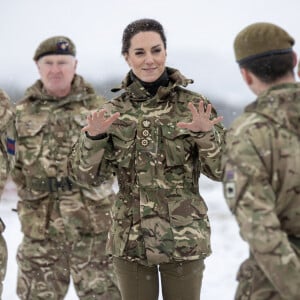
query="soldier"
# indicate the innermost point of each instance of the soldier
(262, 165)
(157, 137)
(64, 224)
(7, 159)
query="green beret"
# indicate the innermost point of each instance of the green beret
(261, 39)
(61, 45)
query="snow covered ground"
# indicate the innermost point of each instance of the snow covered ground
(221, 267)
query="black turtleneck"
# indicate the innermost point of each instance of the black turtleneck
(152, 87)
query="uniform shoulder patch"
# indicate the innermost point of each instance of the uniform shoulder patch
(11, 146)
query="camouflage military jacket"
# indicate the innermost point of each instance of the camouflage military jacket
(7, 138)
(159, 215)
(262, 183)
(47, 128)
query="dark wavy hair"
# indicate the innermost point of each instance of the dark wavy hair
(141, 25)
(272, 67)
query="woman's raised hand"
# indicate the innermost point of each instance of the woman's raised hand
(98, 124)
(201, 118)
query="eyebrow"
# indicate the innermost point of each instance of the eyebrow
(156, 46)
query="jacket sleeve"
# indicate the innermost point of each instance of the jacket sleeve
(7, 138)
(17, 168)
(3, 165)
(86, 164)
(251, 197)
(210, 148)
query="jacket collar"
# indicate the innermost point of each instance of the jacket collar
(80, 90)
(137, 92)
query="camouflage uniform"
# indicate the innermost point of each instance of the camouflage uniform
(7, 159)
(159, 215)
(262, 189)
(64, 224)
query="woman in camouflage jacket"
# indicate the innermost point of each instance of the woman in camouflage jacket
(158, 148)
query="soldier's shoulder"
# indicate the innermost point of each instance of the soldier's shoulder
(96, 101)
(4, 98)
(192, 95)
(7, 110)
(246, 123)
(118, 101)
(21, 105)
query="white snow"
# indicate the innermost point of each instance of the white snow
(221, 267)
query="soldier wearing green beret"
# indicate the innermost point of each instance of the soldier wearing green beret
(7, 160)
(262, 166)
(64, 224)
(158, 137)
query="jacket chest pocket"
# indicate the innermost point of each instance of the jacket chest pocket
(30, 135)
(77, 122)
(175, 145)
(65, 128)
(123, 138)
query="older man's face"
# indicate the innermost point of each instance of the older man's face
(57, 73)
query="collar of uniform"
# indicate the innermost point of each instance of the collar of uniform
(139, 93)
(177, 78)
(80, 91)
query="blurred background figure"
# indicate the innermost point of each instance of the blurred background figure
(7, 160)
(262, 165)
(64, 225)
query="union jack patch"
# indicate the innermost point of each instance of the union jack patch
(11, 146)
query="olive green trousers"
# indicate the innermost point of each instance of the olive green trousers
(179, 281)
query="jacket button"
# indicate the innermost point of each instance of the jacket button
(144, 142)
(145, 132)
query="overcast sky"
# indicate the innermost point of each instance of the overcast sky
(200, 35)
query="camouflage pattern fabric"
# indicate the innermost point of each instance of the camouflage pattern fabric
(7, 159)
(55, 261)
(3, 261)
(7, 138)
(47, 128)
(159, 215)
(262, 189)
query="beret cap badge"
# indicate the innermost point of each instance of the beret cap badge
(62, 46)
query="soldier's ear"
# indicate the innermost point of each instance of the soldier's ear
(125, 56)
(38, 66)
(247, 76)
(75, 65)
(294, 58)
